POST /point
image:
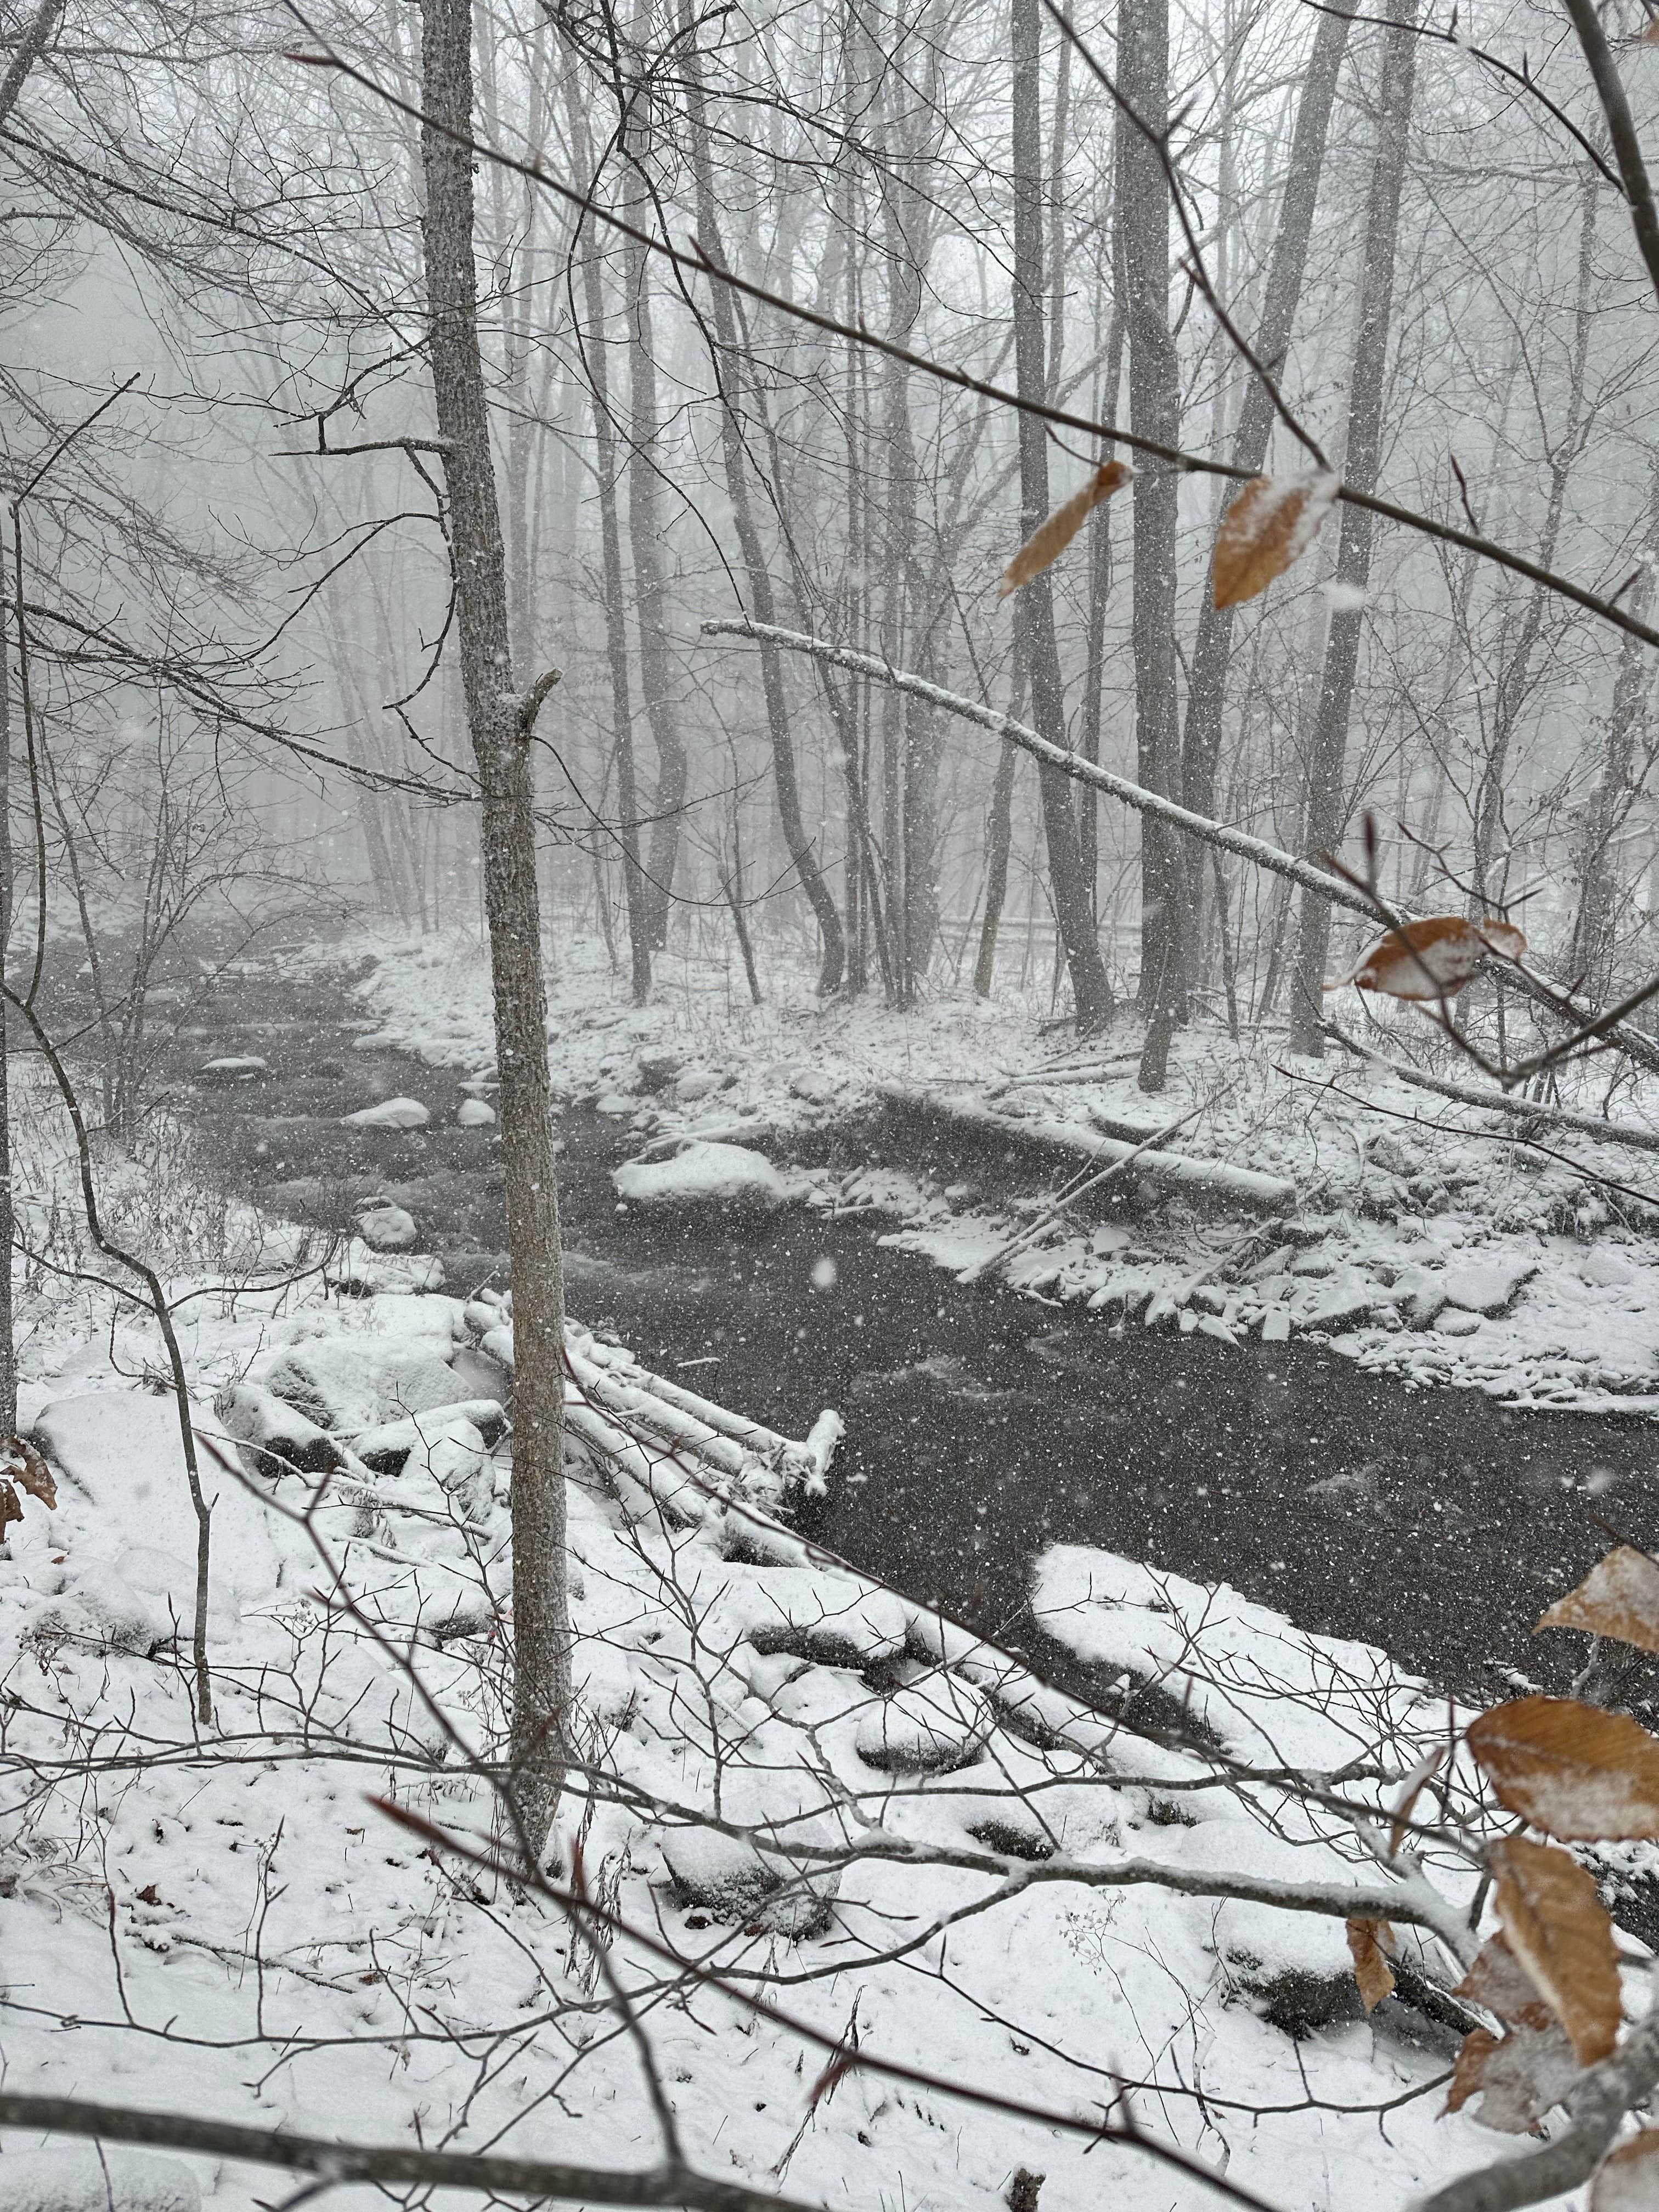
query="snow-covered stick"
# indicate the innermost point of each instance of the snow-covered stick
(1045, 1220)
(1257, 850)
(1500, 1102)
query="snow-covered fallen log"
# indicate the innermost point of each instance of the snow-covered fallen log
(1216, 1182)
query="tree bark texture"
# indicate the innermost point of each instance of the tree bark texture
(499, 725)
(1327, 759)
(1034, 641)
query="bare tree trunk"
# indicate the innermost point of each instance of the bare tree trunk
(616, 620)
(500, 724)
(1591, 956)
(1034, 642)
(1515, 684)
(1206, 689)
(8, 1211)
(1327, 755)
(999, 844)
(1154, 412)
(644, 535)
(728, 362)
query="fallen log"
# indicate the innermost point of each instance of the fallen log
(1502, 1101)
(1216, 1181)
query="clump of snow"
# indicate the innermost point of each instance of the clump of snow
(475, 1114)
(390, 1114)
(386, 1228)
(702, 1173)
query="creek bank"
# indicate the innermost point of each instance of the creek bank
(984, 1426)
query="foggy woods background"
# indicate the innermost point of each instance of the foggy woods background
(252, 545)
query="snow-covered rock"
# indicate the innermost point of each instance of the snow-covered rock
(386, 1446)
(1488, 1288)
(99, 1607)
(273, 1437)
(695, 1084)
(235, 1069)
(931, 1726)
(346, 1384)
(475, 1114)
(812, 1086)
(732, 1881)
(703, 1174)
(657, 1070)
(390, 1114)
(87, 2177)
(386, 1228)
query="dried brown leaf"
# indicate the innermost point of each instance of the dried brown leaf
(33, 1473)
(1627, 2180)
(1052, 535)
(1503, 937)
(1529, 2071)
(1571, 1769)
(1500, 1983)
(1267, 530)
(1430, 959)
(1618, 1597)
(1477, 2047)
(10, 1507)
(1366, 1939)
(1558, 1930)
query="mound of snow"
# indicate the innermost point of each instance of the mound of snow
(88, 2178)
(390, 1114)
(100, 1608)
(386, 1228)
(702, 1175)
(475, 1114)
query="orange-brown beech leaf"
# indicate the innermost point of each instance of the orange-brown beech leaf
(1477, 2047)
(1430, 959)
(1503, 937)
(33, 1473)
(1500, 1983)
(1366, 1939)
(1558, 1930)
(10, 1508)
(1055, 532)
(1267, 530)
(1618, 1597)
(1627, 2180)
(1650, 36)
(1575, 1771)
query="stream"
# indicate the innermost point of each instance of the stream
(982, 1426)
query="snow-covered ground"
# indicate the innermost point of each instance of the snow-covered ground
(1424, 1240)
(792, 1780)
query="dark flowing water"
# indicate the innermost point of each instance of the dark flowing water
(982, 1426)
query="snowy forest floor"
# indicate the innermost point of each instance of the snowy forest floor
(1427, 1239)
(222, 1920)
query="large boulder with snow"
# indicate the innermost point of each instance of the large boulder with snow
(86, 2177)
(345, 1384)
(730, 1879)
(273, 1437)
(701, 1175)
(390, 1114)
